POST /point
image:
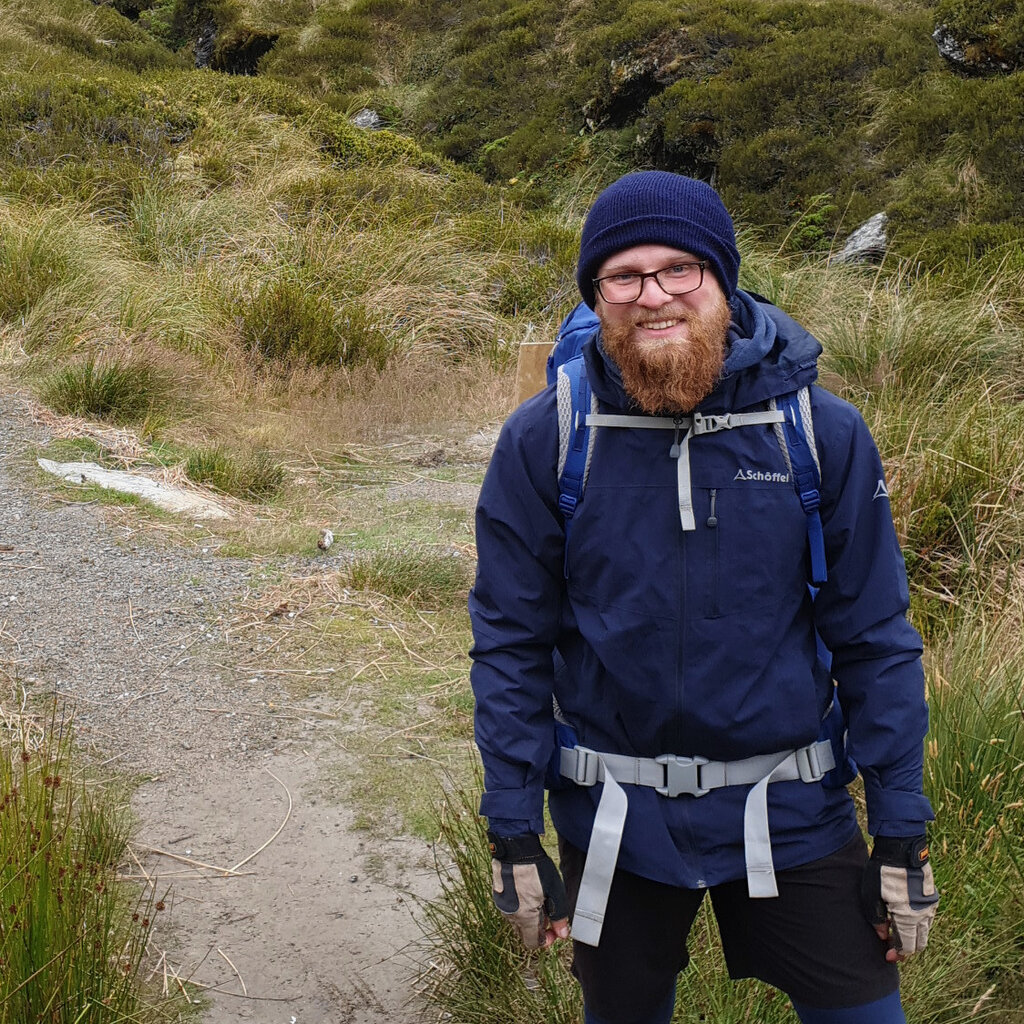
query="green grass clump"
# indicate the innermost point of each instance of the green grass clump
(251, 474)
(974, 776)
(290, 319)
(430, 577)
(478, 969)
(72, 940)
(119, 390)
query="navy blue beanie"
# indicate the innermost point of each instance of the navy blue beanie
(656, 207)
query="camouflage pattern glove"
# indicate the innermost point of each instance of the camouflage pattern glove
(526, 886)
(898, 888)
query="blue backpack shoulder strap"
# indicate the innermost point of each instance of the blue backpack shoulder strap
(797, 435)
(579, 325)
(575, 441)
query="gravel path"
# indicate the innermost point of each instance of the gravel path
(137, 633)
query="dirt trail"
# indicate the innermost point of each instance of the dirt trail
(137, 633)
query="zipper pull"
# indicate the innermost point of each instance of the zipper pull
(713, 519)
(673, 452)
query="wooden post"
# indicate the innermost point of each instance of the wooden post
(531, 369)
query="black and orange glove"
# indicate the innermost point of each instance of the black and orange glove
(898, 890)
(527, 888)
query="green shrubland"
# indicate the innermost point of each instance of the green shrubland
(780, 102)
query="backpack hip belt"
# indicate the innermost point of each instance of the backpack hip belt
(672, 775)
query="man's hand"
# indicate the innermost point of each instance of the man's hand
(528, 890)
(898, 894)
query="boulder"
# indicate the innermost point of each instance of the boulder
(976, 58)
(206, 44)
(636, 78)
(190, 502)
(867, 244)
(368, 119)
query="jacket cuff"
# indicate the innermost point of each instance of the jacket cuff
(896, 812)
(519, 805)
(508, 827)
(900, 829)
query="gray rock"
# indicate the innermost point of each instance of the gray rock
(948, 46)
(868, 243)
(969, 59)
(206, 44)
(368, 119)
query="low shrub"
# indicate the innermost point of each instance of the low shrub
(253, 474)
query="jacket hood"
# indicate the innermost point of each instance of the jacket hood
(767, 354)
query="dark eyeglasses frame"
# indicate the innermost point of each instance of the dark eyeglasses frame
(702, 264)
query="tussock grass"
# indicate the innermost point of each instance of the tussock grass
(252, 474)
(476, 970)
(119, 390)
(73, 939)
(429, 577)
(974, 774)
(933, 363)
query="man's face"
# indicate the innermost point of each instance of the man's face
(670, 348)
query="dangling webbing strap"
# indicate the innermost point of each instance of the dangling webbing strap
(685, 427)
(602, 856)
(672, 775)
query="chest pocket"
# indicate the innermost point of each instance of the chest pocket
(624, 547)
(753, 539)
(750, 525)
(742, 541)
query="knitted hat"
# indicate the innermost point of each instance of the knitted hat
(656, 207)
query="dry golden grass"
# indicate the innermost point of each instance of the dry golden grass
(313, 410)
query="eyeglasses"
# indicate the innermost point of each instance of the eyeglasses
(677, 279)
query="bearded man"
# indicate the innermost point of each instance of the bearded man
(671, 643)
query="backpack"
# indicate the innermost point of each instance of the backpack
(579, 325)
(578, 413)
(795, 439)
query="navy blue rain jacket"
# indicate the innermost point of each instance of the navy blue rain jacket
(700, 642)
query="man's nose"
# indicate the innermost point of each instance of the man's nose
(652, 295)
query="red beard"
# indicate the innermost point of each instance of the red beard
(678, 375)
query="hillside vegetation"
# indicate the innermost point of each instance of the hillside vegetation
(810, 117)
(264, 295)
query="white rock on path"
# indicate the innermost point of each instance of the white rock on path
(167, 496)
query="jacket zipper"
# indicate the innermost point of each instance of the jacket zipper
(712, 524)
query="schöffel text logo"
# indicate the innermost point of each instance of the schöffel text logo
(757, 474)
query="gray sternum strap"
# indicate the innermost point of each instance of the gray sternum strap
(685, 428)
(672, 775)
